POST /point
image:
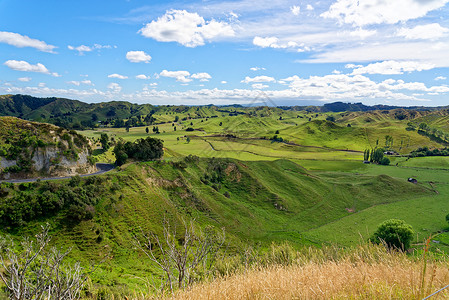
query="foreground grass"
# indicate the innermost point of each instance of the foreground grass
(368, 272)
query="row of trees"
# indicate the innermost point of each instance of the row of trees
(425, 129)
(376, 155)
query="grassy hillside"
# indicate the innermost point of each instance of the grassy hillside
(256, 203)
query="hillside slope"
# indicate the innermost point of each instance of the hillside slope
(28, 149)
(256, 203)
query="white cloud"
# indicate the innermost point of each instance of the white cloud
(426, 32)
(309, 7)
(440, 78)
(114, 87)
(138, 56)
(187, 29)
(295, 10)
(434, 53)
(202, 76)
(321, 88)
(83, 48)
(41, 84)
(180, 76)
(20, 65)
(20, 41)
(257, 69)
(78, 83)
(142, 76)
(118, 76)
(259, 86)
(273, 42)
(24, 79)
(258, 79)
(368, 12)
(224, 82)
(391, 67)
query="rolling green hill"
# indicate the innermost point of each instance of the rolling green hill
(256, 203)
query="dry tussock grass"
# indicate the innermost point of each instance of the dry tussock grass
(331, 280)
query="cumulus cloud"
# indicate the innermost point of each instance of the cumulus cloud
(440, 78)
(24, 79)
(309, 7)
(258, 79)
(118, 76)
(257, 69)
(138, 56)
(368, 12)
(83, 48)
(20, 65)
(391, 67)
(201, 76)
(185, 28)
(114, 87)
(78, 83)
(295, 10)
(259, 86)
(427, 32)
(142, 76)
(180, 76)
(20, 41)
(322, 88)
(224, 82)
(273, 42)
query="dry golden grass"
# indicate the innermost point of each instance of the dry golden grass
(332, 280)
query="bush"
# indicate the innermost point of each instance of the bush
(396, 234)
(385, 161)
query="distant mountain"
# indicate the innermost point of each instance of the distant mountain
(75, 114)
(342, 106)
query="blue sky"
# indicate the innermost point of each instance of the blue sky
(225, 52)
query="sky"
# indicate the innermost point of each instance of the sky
(281, 52)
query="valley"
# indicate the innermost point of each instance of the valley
(265, 175)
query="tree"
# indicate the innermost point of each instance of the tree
(188, 140)
(277, 132)
(366, 155)
(394, 233)
(104, 140)
(147, 130)
(142, 149)
(182, 258)
(388, 141)
(377, 155)
(37, 272)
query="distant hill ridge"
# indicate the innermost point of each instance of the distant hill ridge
(75, 114)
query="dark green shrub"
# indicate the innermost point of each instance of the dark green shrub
(396, 234)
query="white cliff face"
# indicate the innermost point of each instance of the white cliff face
(50, 161)
(4, 163)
